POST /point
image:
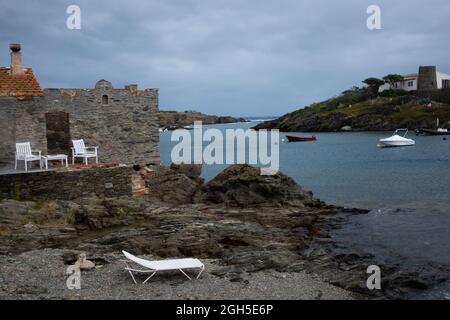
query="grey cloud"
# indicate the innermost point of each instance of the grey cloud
(238, 57)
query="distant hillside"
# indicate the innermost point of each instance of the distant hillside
(174, 119)
(359, 109)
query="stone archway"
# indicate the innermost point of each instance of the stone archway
(58, 132)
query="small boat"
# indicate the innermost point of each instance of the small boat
(397, 140)
(438, 132)
(431, 132)
(300, 139)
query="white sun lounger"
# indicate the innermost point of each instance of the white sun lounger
(163, 265)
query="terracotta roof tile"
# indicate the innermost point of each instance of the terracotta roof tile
(18, 85)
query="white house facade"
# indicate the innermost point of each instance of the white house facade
(409, 83)
(435, 80)
(443, 80)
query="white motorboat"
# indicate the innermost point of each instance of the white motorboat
(397, 140)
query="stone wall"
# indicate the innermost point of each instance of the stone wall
(67, 185)
(123, 123)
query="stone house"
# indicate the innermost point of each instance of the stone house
(122, 122)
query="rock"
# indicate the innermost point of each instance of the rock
(235, 277)
(190, 170)
(228, 119)
(176, 184)
(83, 263)
(355, 211)
(238, 185)
(244, 186)
(95, 213)
(12, 211)
(29, 225)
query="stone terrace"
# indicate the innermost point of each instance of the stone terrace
(122, 122)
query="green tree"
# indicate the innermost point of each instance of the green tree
(374, 84)
(393, 78)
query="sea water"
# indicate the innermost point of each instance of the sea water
(407, 190)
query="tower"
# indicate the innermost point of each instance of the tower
(427, 79)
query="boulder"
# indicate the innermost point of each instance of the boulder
(95, 213)
(176, 184)
(244, 186)
(83, 263)
(190, 170)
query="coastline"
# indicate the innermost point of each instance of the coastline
(246, 239)
(172, 120)
(359, 110)
(224, 153)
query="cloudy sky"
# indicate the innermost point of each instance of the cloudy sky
(237, 57)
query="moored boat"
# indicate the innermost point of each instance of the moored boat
(438, 132)
(397, 140)
(431, 132)
(300, 139)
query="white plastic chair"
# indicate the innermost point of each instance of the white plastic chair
(163, 265)
(24, 153)
(79, 150)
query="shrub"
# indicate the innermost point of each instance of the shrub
(394, 93)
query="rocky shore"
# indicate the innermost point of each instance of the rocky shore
(251, 229)
(172, 120)
(359, 110)
(109, 281)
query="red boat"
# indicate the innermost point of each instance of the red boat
(300, 139)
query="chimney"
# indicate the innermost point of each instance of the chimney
(16, 59)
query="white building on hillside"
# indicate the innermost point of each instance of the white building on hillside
(443, 80)
(409, 83)
(428, 77)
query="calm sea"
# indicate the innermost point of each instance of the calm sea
(407, 190)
